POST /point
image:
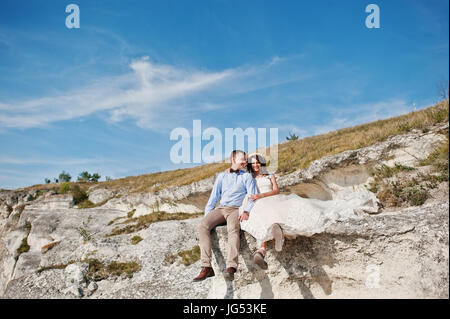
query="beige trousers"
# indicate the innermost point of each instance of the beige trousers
(218, 216)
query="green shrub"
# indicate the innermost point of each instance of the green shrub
(188, 257)
(98, 270)
(117, 268)
(64, 188)
(20, 208)
(131, 213)
(24, 247)
(395, 194)
(86, 204)
(78, 194)
(39, 193)
(136, 239)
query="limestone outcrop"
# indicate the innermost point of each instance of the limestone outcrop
(50, 248)
(396, 255)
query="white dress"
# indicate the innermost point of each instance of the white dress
(302, 216)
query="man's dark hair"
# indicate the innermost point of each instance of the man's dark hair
(233, 154)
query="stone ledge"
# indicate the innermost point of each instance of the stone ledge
(339, 263)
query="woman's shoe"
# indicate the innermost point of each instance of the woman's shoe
(278, 236)
(258, 259)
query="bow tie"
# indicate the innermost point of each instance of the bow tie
(234, 171)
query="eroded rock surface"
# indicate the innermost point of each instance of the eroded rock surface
(48, 246)
(399, 255)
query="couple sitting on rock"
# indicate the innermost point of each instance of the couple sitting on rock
(232, 186)
(251, 201)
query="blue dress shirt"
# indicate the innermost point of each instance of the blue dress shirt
(231, 188)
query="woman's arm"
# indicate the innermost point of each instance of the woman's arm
(274, 190)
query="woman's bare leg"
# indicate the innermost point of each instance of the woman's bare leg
(278, 236)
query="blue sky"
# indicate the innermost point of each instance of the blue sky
(105, 97)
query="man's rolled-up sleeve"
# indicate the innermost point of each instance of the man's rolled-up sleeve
(215, 195)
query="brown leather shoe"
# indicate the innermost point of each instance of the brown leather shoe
(258, 259)
(229, 273)
(205, 273)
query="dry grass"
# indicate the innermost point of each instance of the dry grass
(142, 222)
(24, 247)
(403, 193)
(135, 240)
(292, 155)
(299, 154)
(439, 159)
(406, 190)
(380, 174)
(157, 181)
(98, 270)
(188, 257)
(57, 266)
(47, 247)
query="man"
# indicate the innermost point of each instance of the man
(231, 187)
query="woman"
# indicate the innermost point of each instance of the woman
(275, 215)
(266, 217)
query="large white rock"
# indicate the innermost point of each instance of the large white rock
(100, 195)
(401, 255)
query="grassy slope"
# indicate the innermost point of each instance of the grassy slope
(292, 155)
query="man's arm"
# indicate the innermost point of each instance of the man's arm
(215, 194)
(251, 190)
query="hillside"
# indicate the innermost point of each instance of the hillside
(292, 155)
(136, 237)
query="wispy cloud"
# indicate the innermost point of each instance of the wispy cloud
(352, 115)
(147, 94)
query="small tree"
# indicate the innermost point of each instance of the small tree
(292, 137)
(95, 177)
(443, 89)
(64, 177)
(84, 177)
(47, 181)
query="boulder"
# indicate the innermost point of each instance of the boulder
(398, 255)
(100, 195)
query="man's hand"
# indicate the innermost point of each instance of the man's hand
(244, 216)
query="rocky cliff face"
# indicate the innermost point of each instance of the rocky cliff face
(395, 255)
(49, 248)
